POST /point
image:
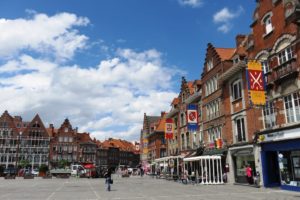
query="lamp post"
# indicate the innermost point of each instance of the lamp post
(18, 146)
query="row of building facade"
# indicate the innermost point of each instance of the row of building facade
(266, 137)
(33, 143)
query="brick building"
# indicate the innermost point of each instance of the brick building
(157, 146)
(117, 153)
(146, 130)
(64, 144)
(240, 126)
(23, 141)
(275, 42)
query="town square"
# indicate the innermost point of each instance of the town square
(143, 188)
(150, 99)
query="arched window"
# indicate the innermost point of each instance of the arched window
(267, 22)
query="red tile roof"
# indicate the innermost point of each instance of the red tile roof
(225, 53)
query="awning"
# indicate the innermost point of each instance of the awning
(215, 152)
(201, 158)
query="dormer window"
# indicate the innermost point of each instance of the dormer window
(268, 23)
(209, 65)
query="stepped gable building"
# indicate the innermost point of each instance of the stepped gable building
(148, 120)
(23, 141)
(64, 144)
(275, 42)
(217, 61)
(87, 148)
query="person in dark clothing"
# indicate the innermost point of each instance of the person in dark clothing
(108, 179)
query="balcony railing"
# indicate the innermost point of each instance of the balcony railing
(286, 70)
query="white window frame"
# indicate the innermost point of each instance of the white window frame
(285, 55)
(237, 83)
(268, 24)
(243, 129)
(292, 114)
(269, 115)
(210, 64)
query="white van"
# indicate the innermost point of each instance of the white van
(77, 170)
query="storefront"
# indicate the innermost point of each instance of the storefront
(280, 158)
(242, 157)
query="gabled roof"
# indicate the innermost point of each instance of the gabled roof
(225, 53)
(175, 101)
(161, 124)
(190, 86)
(36, 123)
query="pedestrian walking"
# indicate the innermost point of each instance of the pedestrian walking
(249, 174)
(108, 179)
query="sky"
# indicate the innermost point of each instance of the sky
(104, 63)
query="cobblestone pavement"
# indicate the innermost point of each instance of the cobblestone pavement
(133, 188)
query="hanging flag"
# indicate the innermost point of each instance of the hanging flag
(192, 117)
(169, 129)
(256, 83)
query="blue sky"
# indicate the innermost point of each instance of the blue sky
(104, 63)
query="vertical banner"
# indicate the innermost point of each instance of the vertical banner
(169, 129)
(256, 85)
(192, 117)
(145, 146)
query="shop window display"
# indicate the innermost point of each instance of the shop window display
(289, 165)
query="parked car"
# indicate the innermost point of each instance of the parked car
(10, 171)
(35, 172)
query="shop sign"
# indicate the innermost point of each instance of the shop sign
(280, 135)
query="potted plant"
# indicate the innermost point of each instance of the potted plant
(43, 170)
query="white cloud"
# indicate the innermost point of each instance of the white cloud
(107, 100)
(191, 3)
(225, 17)
(53, 35)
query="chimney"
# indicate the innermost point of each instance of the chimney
(239, 39)
(162, 113)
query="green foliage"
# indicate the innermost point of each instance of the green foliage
(24, 163)
(43, 168)
(62, 163)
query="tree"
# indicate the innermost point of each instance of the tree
(24, 163)
(62, 163)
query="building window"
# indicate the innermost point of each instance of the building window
(265, 66)
(269, 115)
(292, 108)
(211, 85)
(200, 134)
(268, 24)
(213, 110)
(236, 90)
(240, 130)
(210, 65)
(285, 55)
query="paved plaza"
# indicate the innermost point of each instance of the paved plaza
(145, 188)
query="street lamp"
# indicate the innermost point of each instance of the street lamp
(18, 146)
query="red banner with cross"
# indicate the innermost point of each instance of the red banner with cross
(256, 83)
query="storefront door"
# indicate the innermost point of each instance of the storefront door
(270, 169)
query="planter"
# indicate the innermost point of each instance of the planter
(28, 177)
